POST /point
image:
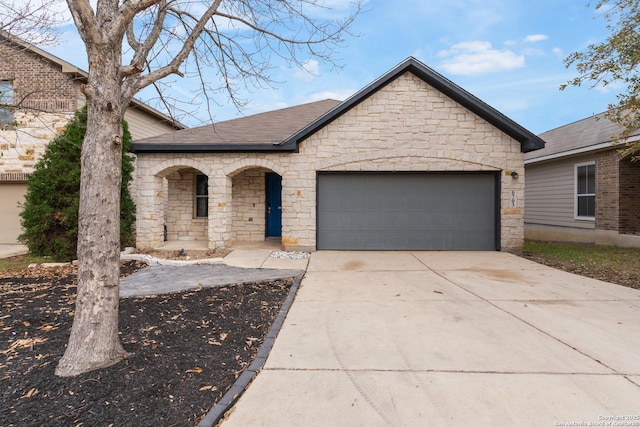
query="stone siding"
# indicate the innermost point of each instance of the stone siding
(179, 218)
(248, 205)
(405, 126)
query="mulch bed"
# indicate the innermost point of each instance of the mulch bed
(186, 350)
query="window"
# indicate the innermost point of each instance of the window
(6, 98)
(202, 196)
(585, 184)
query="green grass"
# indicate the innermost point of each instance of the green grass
(610, 256)
(20, 262)
(616, 264)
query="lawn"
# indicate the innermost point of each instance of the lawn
(21, 261)
(610, 263)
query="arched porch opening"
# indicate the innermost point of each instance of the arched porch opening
(185, 207)
(256, 214)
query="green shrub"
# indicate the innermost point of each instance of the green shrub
(50, 212)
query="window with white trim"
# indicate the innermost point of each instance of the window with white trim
(6, 99)
(585, 186)
(201, 203)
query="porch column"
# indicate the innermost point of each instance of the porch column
(299, 211)
(149, 212)
(219, 226)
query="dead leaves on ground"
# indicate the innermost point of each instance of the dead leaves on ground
(22, 343)
(186, 350)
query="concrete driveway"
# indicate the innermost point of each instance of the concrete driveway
(449, 339)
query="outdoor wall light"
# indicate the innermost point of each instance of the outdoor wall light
(514, 175)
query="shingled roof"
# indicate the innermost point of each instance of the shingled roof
(283, 130)
(259, 132)
(593, 133)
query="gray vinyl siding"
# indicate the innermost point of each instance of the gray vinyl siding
(549, 193)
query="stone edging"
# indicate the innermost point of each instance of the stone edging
(221, 409)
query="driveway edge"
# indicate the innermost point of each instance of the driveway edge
(218, 412)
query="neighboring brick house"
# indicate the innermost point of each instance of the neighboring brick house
(45, 91)
(412, 161)
(579, 189)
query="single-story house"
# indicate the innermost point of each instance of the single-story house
(39, 94)
(579, 189)
(410, 162)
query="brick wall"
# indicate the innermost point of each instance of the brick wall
(38, 83)
(629, 196)
(607, 191)
(47, 99)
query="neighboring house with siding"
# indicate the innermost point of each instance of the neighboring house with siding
(44, 92)
(412, 161)
(579, 189)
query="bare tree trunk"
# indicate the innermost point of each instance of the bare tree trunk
(94, 341)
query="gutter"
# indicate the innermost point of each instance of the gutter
(212, 148)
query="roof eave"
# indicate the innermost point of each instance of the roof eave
(212, 148)
(528, 140)
(69, 68)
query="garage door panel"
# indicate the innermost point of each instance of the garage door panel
(369, 211)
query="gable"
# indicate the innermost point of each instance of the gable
(38, 83)
(283, 130)
(48, 83)
(528, 141)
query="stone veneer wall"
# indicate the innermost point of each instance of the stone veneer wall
(405, 126)
(248, 205)
(179, 214)
(22, 146)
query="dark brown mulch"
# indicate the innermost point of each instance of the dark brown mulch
(186, 350)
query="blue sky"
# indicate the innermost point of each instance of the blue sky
(509, 53)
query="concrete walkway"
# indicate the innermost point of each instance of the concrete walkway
(240, 266)
(448, 339)
(7, 251)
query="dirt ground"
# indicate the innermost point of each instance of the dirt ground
(628, 278)
(186, 254)
(186, 349)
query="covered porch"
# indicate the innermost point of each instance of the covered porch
(192, 206)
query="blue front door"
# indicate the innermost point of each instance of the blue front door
(274, 205)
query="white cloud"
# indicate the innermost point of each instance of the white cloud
(308, 71)
(340, 95)
(477, 57)
(558, 52)
(533, 52)
(533, 38)
(613, 87)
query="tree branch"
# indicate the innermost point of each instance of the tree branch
(135, 83)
